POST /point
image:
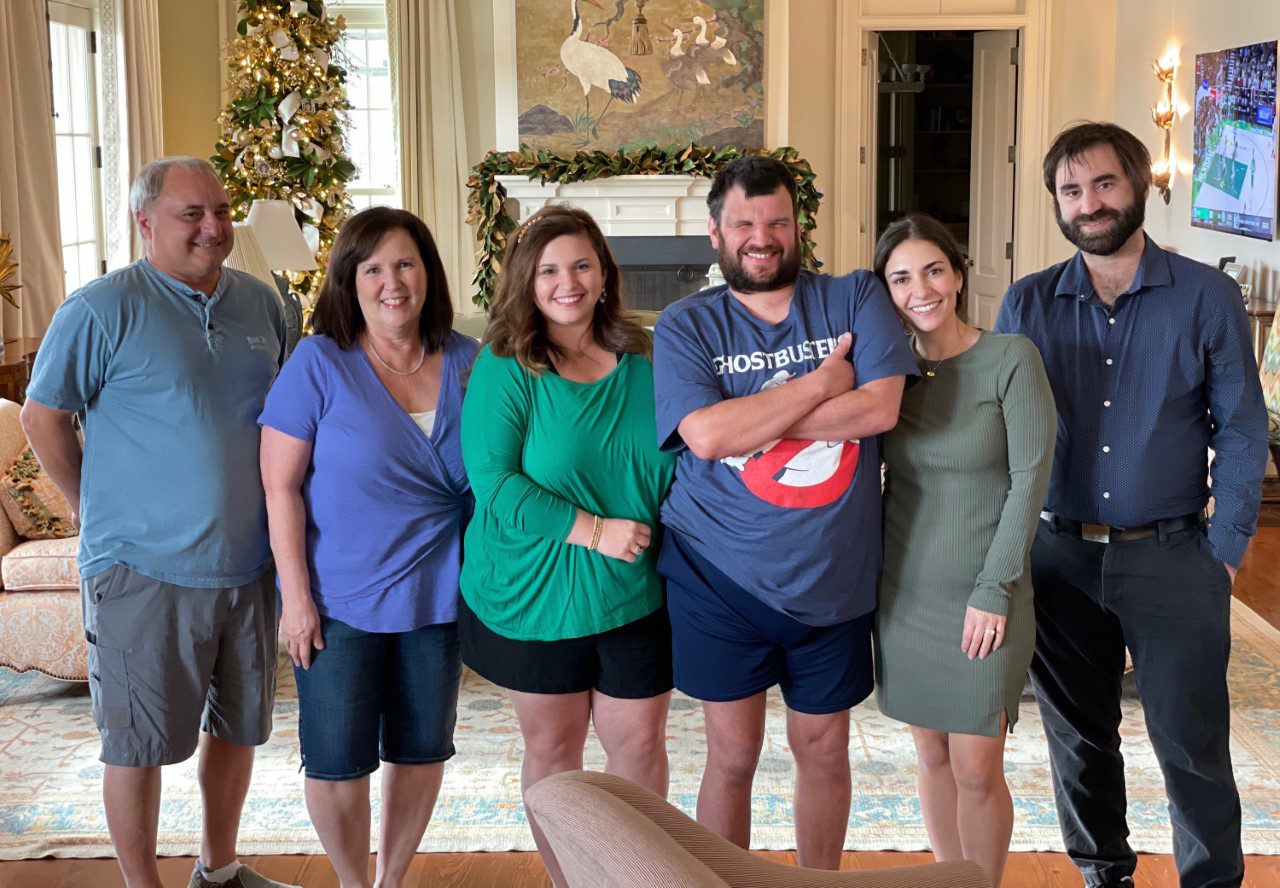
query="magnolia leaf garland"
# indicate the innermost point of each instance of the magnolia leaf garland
(282, 131)
(487, 197)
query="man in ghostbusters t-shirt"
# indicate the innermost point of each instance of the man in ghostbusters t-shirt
(772, 390)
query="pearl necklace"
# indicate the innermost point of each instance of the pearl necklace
(391, 369)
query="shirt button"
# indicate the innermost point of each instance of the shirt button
(1111, 320)
(1106, 449)
(1109, 362)
(1106, 495)
(1106, 403)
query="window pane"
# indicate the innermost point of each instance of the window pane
(370, 138)
(82, 147)
(61, 93)
(382, 148)
(66, 188)
(74, 104)
(71, 268)
(78, 77)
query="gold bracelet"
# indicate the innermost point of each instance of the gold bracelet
(595, 533)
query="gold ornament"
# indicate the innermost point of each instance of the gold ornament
(8, 271)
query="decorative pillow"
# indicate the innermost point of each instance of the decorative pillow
(32, 501)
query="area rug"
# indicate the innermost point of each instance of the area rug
(50, 796)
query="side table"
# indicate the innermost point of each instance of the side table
(15, 367)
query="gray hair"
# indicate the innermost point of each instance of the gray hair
(147, 186)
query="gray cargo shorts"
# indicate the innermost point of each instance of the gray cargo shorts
(167, 661)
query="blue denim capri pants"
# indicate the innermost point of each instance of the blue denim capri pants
(370, 696)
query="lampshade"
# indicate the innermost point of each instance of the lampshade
(246, 255)
(279, 236)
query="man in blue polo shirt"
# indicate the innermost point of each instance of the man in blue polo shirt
(167, 363)
(772, 547)
(1151, 364)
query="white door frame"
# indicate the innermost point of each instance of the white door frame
(855, 132)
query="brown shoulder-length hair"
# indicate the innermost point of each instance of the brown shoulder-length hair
(337, 311)
(922, 227)
(517, 329)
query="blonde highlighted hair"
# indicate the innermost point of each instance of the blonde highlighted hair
(517, 328)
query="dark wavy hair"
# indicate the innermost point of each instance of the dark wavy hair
(1071, 144)
(922, 227)
(517, 328)
(337, 311)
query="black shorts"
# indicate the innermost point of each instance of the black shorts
(632, 662)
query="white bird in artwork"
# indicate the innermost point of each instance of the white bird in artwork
(596, 66)
(681, 69)
(715, 49)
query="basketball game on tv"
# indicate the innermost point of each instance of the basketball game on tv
(1233, 188)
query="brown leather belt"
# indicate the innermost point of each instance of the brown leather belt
(1108, 533)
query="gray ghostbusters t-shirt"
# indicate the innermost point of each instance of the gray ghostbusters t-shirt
(795, 523)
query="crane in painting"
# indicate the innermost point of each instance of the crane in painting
(595, 66)
(715, 49)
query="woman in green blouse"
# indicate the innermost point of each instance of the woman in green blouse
(967, 467)
(561, 604)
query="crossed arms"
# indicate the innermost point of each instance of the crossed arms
(822, 405)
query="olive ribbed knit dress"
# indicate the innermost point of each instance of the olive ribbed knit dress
(967, 469)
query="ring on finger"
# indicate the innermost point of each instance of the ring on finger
(988, 632)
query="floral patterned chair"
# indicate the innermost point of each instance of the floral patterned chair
(40, 621)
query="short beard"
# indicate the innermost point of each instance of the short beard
(740, 281)
(1104, 243)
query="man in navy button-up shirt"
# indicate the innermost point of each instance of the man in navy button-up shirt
(1150, 360)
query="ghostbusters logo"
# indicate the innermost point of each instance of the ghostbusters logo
(795, 473)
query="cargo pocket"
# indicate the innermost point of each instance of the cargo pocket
(109, 688)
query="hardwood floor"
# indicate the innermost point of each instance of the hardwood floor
(1258, 586)
(524, 870)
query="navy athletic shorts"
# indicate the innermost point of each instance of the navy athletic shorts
(729, 645)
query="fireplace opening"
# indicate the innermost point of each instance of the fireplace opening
(659, 270)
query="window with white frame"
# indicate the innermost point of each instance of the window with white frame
(72, 45)
(371, 138)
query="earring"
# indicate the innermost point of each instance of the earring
(601, 299)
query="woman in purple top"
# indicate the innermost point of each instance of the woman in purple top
(366, 500)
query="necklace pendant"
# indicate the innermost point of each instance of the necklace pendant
(930, 373)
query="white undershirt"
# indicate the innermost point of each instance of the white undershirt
(426, 420)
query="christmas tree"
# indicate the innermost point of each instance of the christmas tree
(281, 135)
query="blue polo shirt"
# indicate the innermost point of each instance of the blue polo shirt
(168, 385)
(1144, 389)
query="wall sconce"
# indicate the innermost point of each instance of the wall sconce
(1162, 114)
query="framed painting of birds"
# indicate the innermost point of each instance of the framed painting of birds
(619, 74)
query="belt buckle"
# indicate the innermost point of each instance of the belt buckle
(1096, 533)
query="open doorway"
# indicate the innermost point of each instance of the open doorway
(945, 136)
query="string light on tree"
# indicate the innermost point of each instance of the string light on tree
(281, 134)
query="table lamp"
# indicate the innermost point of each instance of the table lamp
(276, 243)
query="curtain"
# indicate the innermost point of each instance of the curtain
(28, 172)
(426, 83)
(144, 131)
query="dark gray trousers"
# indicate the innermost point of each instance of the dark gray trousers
(1168, 599)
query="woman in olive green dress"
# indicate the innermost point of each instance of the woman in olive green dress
(967, 467)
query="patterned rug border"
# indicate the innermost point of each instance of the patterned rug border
(878, 821)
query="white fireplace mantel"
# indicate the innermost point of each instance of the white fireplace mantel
(623, 206)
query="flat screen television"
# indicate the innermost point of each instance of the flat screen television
(1233, 187)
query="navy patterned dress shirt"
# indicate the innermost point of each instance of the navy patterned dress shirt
(1144, 390)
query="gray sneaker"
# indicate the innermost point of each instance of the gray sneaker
(244, 878)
